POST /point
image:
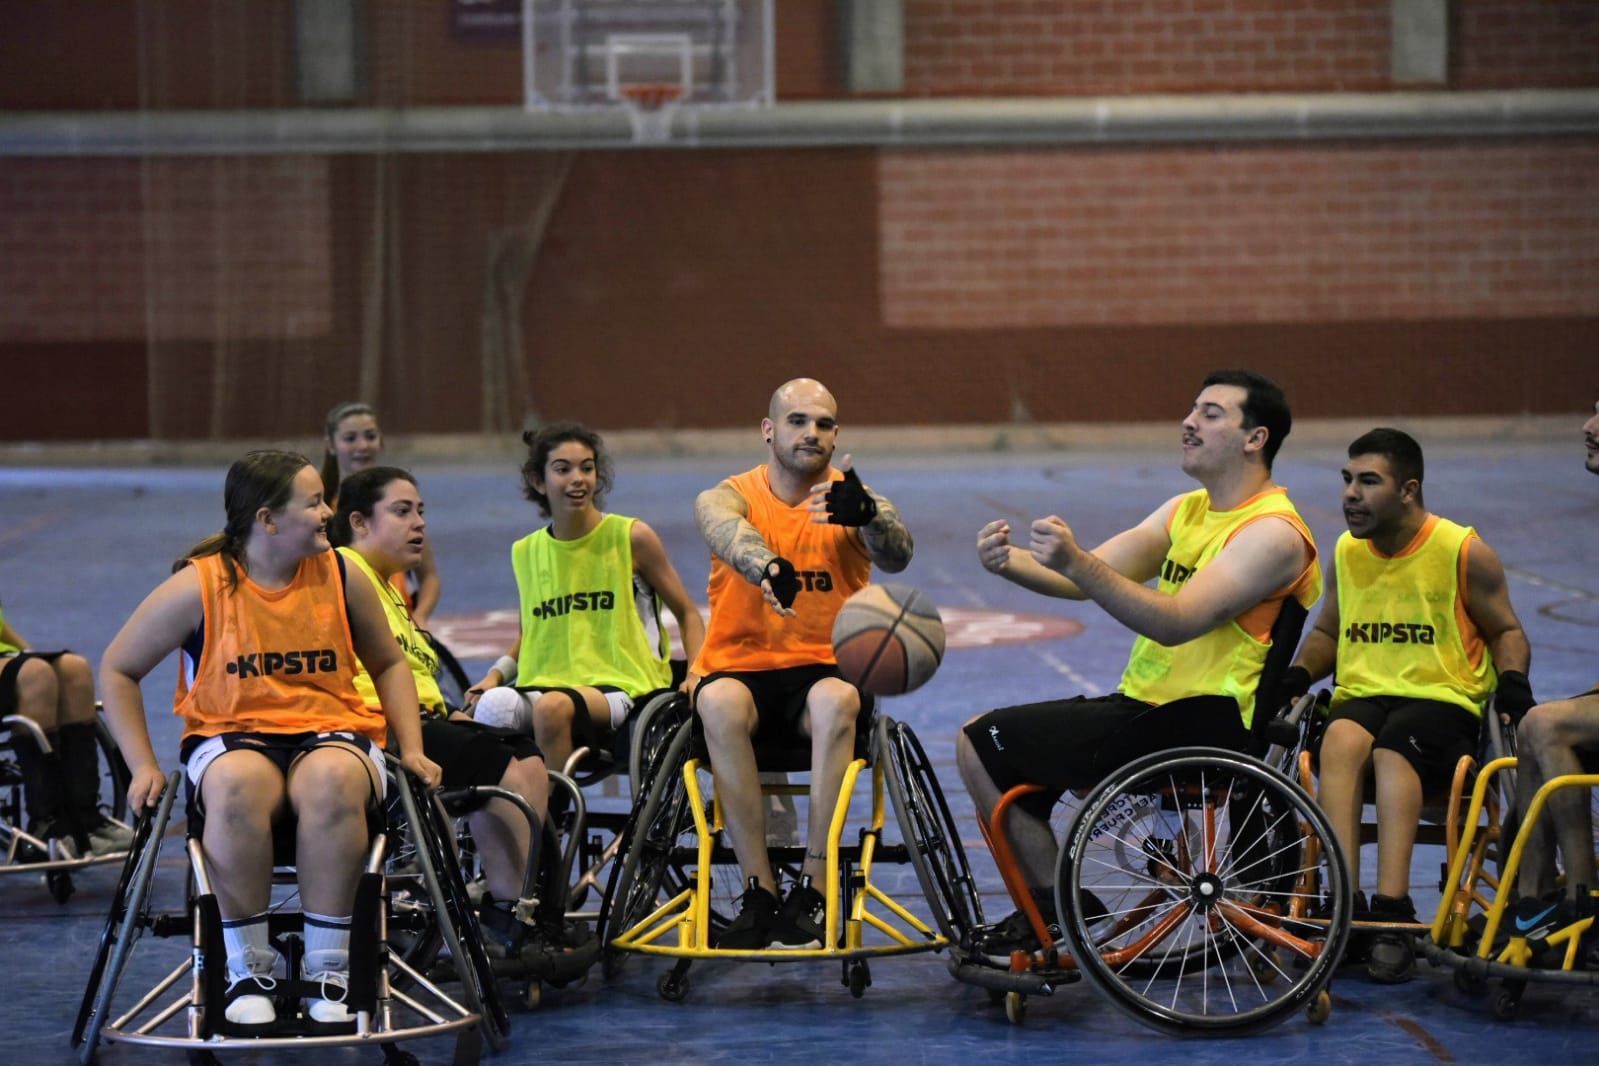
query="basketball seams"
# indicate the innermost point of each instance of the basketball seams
(889, 610)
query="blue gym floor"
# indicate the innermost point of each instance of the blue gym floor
(80, 547)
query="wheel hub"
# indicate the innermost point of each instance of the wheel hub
(1206, 891)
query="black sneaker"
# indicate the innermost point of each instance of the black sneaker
(751, 930)
(803, 921)
(996, 943)
(503, 932)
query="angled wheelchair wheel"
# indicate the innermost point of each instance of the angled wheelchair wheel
(126, 921)
(657, 723)
(929, 830)
(656, 829)
(453, 923)
(114, 771)
(1176, 888)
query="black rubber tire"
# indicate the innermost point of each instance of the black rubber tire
(1241, 849)
(930, 832)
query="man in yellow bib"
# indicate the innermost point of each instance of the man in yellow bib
(790, 541)
(1227, 556)
(1421, 632)
(1558, 738)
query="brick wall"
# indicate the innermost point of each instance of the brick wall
(1517, 44)
(1264, 234)
(964, 47)
(97, 249)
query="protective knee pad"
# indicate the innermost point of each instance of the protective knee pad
(504, 708)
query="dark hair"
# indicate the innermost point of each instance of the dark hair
(330, 460)
(1264, 405)
(363, 490)
(544, 440)
(1395, 445)
(260, 479)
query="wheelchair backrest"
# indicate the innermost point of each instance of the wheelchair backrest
(1284, 642)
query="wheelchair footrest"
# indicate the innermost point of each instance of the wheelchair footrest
(1031, 983)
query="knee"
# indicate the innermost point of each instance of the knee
(329, 791)
(37, 691)
(77, 681)
(1345, 748)
(239, 799)
(503, 708)
(1544, 727)
(1391, 768)
(834, 706)
(553, 713)
(528, 778)
(724, 707)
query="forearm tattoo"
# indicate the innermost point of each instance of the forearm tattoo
(731, 537)
(887, 540)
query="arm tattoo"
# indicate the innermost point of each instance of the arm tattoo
(730, 536)
(888, 542)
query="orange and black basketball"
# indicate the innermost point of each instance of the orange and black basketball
(888, 639)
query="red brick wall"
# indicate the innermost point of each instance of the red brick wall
(966, 47)
(1519, 44)
(1266, 234)
(113, 249)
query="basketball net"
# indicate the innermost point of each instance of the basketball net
(650, 106)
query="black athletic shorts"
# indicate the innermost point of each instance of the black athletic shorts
(1076, 743)
(473, 754)
(1431, 735)
(780, 696)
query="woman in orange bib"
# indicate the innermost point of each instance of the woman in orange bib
(269, 631)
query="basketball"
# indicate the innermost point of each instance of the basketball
(888, 639)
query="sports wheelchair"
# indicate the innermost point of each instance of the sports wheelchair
(673, 889)
(1185, 885)
(28, 854)
(402, 924)
(1490, 943)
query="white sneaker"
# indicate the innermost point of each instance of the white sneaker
(250, 984)
(331, 970)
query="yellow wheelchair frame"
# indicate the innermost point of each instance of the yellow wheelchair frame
(1470, 882)
(682, 926)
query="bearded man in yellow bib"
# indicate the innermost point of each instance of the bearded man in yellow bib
(1419, 635)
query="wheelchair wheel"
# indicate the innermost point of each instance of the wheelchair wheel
(125, 922)
(929, 831)
(660, 820)
(454, 925)
(115, 771)
(657, 724)
(1179, 873)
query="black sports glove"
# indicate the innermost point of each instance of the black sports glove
(785, 583)
(848, 502)
(1295, 683)
(1514, 696)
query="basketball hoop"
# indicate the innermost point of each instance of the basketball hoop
(649, 107)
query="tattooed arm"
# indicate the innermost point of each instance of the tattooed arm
(723, 516)
(887, 540)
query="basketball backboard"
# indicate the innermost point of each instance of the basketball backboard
(612, 54)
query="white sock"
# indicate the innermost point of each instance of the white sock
(327, 957)
(250, 954)
(249, 950)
